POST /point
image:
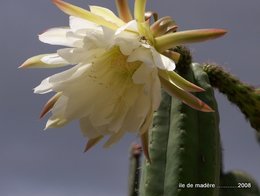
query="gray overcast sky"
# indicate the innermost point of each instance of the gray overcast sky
(34, 162)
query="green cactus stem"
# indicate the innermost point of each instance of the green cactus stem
(134, 170)
(209, 136)
(243, 95)
(152, 181)
(184, 144)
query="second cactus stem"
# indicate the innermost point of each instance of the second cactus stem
(246, 97)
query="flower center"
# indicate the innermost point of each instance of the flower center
(112, 67)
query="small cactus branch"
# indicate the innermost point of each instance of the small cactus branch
(246, 97)
(134, 171)
(243, 95)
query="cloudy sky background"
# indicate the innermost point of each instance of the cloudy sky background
(34, 162)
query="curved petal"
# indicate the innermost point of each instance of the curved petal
(84, 14)
(80, 55)
(48, 83)
(45, 61)
(141, 54)
(130, 27)
(142, 75)
(171, 40)
(185, 97)
(127, 46)
(44, 87)
(106, 14)
(179, 81)
(137, 114)
(79, 24)
(114, 138)
(123, 10)
(156, 92)
(56, 36)
(88, 129)
(92, 142)
(127, 38)
(50, 104)
(139, 10)
(162, 61)
(55, 123)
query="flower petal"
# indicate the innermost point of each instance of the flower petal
(162, 61)
(44, 87)
(88, 129)
(55, 123)
(184, 96)
(56, 36)
(49, 105)
(77, 24)
(142, 54)
(124, 10)
(79, 55)
(114, 138)
(179, 81)
(171, 40)
(145, 145)
(44, 61)
(131, 26)
(139, 10)
(156, 93)
(49, 83)
(84, 14)
(107, 15)
(137, 114)
(127, 38)
(92, 142)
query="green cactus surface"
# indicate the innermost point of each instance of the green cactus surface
(184, 145)
(246, 97)
(237, 183)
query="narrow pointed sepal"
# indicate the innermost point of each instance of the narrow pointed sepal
(107, 14)
(175, 56)
(149, 15)
(124, 10)
(49, 105)
(82, 13)
(139, 10)
(92, 142)
(184, 96)
(171, 40)
(145, 146)
(38, 62)
(144, 133)
(163, 26)
(179, 81)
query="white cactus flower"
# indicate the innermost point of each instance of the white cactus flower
(118, 67)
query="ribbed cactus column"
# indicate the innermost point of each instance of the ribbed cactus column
(184, 145)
